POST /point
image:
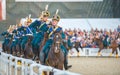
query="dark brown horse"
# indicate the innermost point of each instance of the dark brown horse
(55, 55)
(28, 53)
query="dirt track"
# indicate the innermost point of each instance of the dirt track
(95, 66)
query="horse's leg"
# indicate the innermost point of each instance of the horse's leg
(116, 53)
(60, 66)
(44, 73)
(15, 50)
(34, 57)
(24, 53)
(37, 54)
(51, 73)
(80, 46)
(78, 52)
(119, 47)
(112, 52)
(20, 49)
(99, 54)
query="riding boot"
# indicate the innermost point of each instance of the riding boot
(66, 66)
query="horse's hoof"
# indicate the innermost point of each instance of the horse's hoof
(99, 54)
(117, 56)
(78, 54)
(110, 54)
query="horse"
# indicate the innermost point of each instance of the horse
(55, 56)
(101, 46)
(28, 52)
(99, 42)
(75, 45)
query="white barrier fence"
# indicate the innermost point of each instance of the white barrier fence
(11, 65)
(92, 52)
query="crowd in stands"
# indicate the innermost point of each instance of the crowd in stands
(85, 38)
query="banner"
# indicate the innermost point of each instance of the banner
(2, 9)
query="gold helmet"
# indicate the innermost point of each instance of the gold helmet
(19, 24)
(10, 28)
(29, 20)
(45, 13)
(56, 16)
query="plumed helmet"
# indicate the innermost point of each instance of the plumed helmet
(56, 16)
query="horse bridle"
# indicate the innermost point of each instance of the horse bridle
(57, 43)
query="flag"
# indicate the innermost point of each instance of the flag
(2, 9)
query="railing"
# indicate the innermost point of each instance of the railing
(12, 65)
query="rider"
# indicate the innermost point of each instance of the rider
(52, 29)
(25, 30)
(7, 36)
(15, 38)
(42, 27)
(106, 40)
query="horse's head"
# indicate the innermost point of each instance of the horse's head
(57, 41)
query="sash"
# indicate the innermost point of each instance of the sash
(30, 30)
(41, 25)
(53, 31)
